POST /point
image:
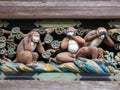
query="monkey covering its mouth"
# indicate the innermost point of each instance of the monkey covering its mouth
(72, 44)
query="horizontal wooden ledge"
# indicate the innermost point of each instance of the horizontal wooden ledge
(87, 9)
(61, 3)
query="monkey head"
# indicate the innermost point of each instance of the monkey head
(102, 32)
(71, 32)
(35, 36)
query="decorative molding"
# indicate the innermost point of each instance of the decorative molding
(80, 9)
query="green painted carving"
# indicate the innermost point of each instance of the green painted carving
(16, 33)
(2, 39)
(59, 31)
(2, 45)
(15, 29)
(12, 36)
(85, 66)
(55, 44)
(46, 54)
(36, 77)
(82, 31)
(56, 23)
(40, 30)
(37, 23)
(2, 76)
(3, 51)
(114, 34)
(109, 59)
(114, 24)
(4, 23)
(19, 35)
(57, 76)
(117, 46)
(11, 53)
(48, 38)
(1, 32)
(11, 45)
(118, 38)
(115, 77)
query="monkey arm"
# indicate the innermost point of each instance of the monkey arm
(26, 44)
(64, 43)
(91, 36)
(109, 41)
(79, 40)
(40, 47)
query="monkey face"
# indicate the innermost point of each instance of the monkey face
(102, 31)
(71, 31)
(36, 38)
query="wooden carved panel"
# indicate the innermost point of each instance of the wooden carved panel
(19, 17)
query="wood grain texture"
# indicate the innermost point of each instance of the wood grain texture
(58, 85)
(45, 9)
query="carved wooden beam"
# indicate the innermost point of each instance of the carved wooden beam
(60, 76)
(45, 9)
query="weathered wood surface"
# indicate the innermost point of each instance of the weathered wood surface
(55, 85)
(40, 9)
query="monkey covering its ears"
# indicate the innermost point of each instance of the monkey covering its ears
(26, 48)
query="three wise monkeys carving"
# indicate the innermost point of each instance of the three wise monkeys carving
(72, 46)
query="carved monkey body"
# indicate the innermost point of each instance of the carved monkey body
(33, 46)
(96, 37)
(102, 34)
(72, 43)
(26, 48)
(93, 39)
(96, 42)
(73, 46)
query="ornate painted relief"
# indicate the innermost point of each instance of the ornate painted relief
(76, 46)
